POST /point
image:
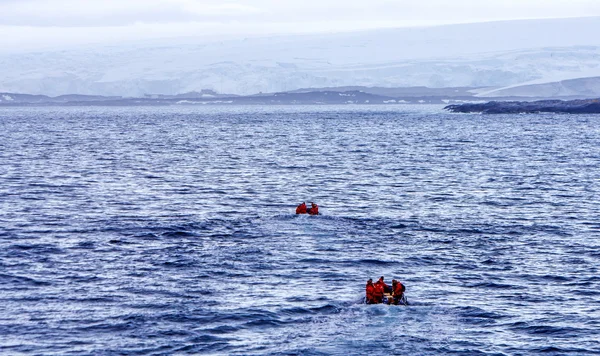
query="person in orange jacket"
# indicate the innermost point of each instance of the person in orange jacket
(370, 289)
(301, 209)
(386, 288)
(398, 292)
(314, 209)
(377, 293)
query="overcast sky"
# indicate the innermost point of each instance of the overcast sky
(55, 23)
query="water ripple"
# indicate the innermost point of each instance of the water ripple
(171, 231)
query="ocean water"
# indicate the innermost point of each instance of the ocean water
(172, 231)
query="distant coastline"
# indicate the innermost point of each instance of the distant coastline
(355, 95)
(324, 96)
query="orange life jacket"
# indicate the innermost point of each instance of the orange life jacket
(301, 209)
(370, 292)
(399, 289)
(383, 285)
(314, 210)
(378, 293)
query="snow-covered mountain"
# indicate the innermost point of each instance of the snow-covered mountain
(498, 55)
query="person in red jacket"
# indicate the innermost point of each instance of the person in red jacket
(386, 288)
(314, 209)
(301, 209)
(370, 289)
(398, 292)
(377, 293)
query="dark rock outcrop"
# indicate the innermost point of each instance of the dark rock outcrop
(591, 106)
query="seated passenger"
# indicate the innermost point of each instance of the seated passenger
(386, 288)
(370, 289)
(301, 209)
(377, 293)
(398, 292)
(314, 209)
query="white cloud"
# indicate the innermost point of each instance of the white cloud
(27, 23)
(85, 13)
(222, 9)
(65, 13)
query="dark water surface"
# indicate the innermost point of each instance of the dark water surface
(171, 231)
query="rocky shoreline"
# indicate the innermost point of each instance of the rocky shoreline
(588, 106)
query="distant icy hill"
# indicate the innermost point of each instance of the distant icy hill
(582, 87)
(499, 55)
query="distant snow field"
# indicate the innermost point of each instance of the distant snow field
(500, 57)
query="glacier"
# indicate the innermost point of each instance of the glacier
(492, 57)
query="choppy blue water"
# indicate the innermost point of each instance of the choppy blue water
(172, 230)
